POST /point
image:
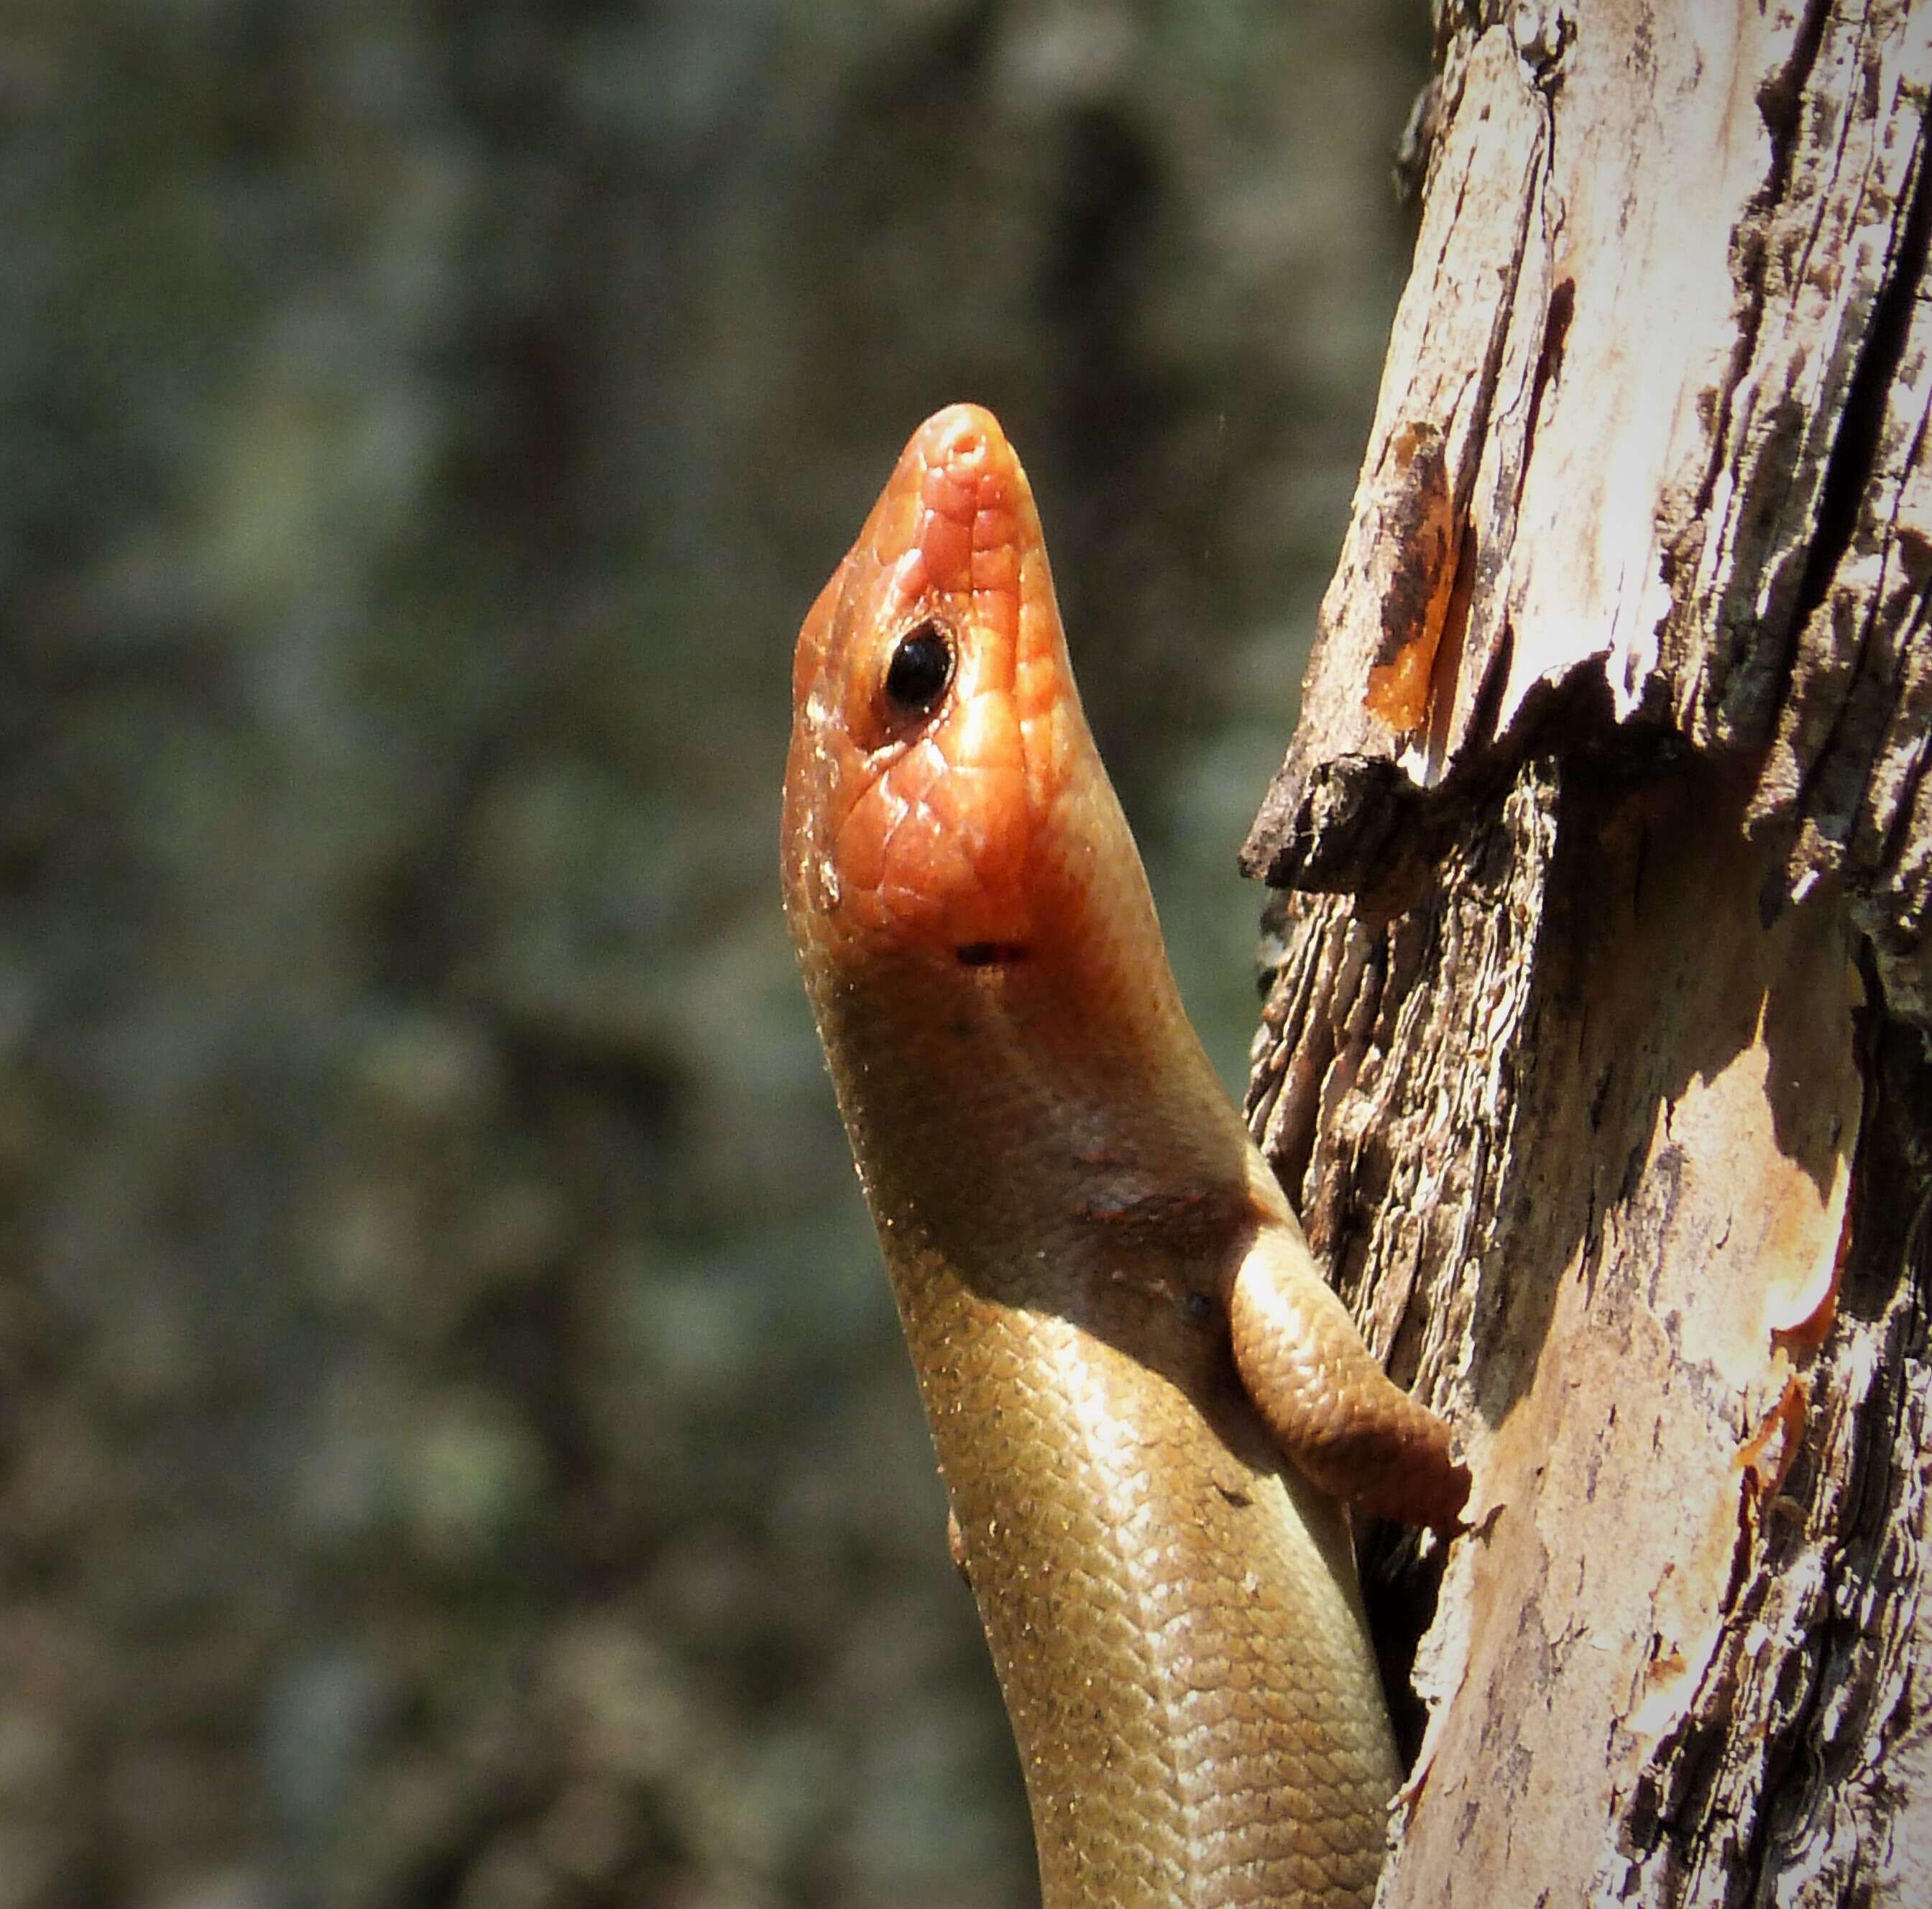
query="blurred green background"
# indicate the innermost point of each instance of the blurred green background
(455, 1447)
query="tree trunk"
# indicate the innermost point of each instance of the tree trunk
(1597, 1049)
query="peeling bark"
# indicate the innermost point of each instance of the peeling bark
(1596, 1046)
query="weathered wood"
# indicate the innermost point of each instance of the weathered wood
(1597, 1044)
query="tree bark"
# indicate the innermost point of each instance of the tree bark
(1597, 1046)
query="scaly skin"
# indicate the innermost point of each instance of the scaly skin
(1116, 1324)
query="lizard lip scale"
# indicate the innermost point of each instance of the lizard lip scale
(1147, 1407)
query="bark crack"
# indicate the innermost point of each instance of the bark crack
(1855, 447)
(1779, 103)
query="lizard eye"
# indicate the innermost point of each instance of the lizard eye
(921, 668)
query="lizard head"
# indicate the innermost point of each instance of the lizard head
(939, 755)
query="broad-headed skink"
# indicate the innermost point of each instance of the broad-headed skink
(1148, 1407)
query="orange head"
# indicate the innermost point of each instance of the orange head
(969, 908)
(940, 794)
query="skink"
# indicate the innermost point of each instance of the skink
(1147, 1407)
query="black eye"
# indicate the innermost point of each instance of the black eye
(921, 668)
